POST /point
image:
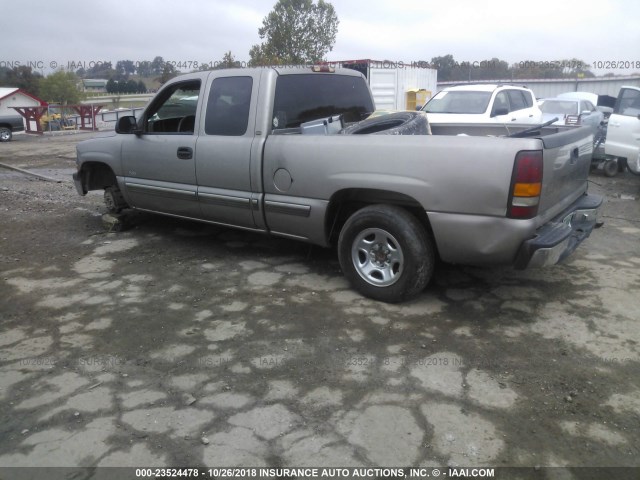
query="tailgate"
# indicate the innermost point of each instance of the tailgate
(567, 160)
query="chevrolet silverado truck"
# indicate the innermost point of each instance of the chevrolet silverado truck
(8, 125)
(285, 151)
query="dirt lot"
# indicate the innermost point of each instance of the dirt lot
(180, 344)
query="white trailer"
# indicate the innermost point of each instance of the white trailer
(396, 85)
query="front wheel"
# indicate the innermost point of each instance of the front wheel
(385, 253)
(114, 200)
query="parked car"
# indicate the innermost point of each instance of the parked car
(571, 112)
(483, 103)
(8, 125)
(623, 132)
(603, 103)
(265, 156)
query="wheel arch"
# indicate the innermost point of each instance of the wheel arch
(97, 176)
(344, 203)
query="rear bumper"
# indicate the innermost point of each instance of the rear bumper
(557, 239)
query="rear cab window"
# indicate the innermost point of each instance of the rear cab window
(301, 98)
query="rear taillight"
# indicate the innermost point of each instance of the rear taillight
(526, 185)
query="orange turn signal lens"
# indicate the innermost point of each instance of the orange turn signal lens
(527, 189)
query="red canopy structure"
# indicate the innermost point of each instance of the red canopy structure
(86, 115)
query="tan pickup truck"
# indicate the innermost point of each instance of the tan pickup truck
(286, 152)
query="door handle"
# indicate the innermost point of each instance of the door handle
(513, 119)
(614, 124)
(185, 153)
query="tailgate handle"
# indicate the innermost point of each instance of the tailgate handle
(185, 153)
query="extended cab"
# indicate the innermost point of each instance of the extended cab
(265, 150)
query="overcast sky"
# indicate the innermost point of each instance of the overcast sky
(57, 32)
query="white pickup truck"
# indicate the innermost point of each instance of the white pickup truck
(265, 150)
(623, 132)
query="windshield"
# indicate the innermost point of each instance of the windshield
(458, 102)
(558, 106)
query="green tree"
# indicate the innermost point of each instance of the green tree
(145, 69)
(60, 87)
(296, 32)
(127, 66)
(112, 86)
(142, 87)
(131, 86)
(101, 70)
(168, 72)
(24, 78)
(228, 61)
(446, 67)
(576, 68)
(157, 66)
(493, 69)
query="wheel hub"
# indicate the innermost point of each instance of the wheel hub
(377, 257)
(380, 255)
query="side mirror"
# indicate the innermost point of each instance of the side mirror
(127, 124)
(418, 108)
(500, 111)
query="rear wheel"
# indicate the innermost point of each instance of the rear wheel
(610, 168)
(5, 134)
(385, 253)
(114, 200)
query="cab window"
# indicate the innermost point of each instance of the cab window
(516, 100)
(174, 111)
(228, 106)
(586, 106)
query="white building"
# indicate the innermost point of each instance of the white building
(14, 97)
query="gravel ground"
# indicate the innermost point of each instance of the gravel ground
(180, 344)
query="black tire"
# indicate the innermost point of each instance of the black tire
(400, 123)
(610, 168)
(622, 164)
(114, 200)
(400, 245)
(5, 134)
(626, 163)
